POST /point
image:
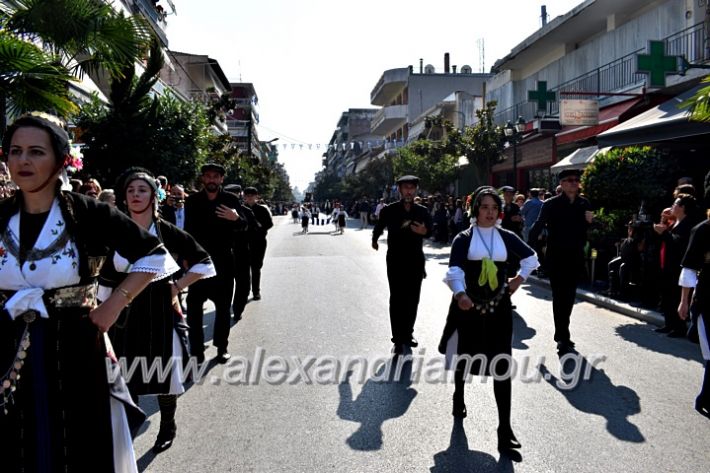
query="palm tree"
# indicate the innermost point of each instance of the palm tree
(45, 43)
(31, 79)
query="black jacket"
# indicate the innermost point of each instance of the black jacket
(215, 234)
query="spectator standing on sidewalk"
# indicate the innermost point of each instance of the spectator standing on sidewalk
(407, 225)
(512, 220)
(530, 211)
(566, 217)
(674, 241)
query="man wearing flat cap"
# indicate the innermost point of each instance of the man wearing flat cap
(407, 225)
(257, 245)
(566, 217)
(242, 254)
(212, 219)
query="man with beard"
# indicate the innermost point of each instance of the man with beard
(257, 244)
(407, 225)
(212, 219)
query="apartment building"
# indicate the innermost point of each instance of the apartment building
(592, 52)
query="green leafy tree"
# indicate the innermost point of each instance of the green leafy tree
(617, 182)
(482, 143)
(31, 79)
(435, 162)
(699, 103)
(163, 134)
(87, 36)
(328, 185)
(76, 37)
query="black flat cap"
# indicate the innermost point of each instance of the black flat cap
(233, 188)
(569, 172)
(506, 189)
(251, 190)
(408, 178)
(212, 166)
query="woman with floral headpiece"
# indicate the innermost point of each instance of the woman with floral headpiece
(478, 333)
(153, 327)
(63, 403)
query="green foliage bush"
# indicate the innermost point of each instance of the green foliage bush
(618, 181)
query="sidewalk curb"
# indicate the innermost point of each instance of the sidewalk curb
(645, 315)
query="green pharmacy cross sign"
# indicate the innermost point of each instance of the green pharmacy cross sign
(541, 95)
(657, 64)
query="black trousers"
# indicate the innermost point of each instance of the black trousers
(564, 271)
(242, 283)
(219, 290)
(257, 250)
(404, 275)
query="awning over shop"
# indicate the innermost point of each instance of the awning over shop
(664, 122)
(579, 159)
(608, 118)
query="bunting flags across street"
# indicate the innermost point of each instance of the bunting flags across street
(350, 145)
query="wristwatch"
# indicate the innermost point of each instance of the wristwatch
(458, 295)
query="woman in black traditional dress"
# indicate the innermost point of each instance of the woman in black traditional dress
(153, 328)
(695, 278)
(64, 406)
(480, 320)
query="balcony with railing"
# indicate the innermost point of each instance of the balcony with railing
(388, 119)
(617, 76)
(155, 18)
(390, 84)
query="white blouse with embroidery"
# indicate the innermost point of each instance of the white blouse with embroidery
(53, 263)
(455, 277)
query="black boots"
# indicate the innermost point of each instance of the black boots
(168, 428)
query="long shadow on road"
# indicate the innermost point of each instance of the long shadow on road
(589, 390)
(645, 337)
(387, 395)
(458, 458)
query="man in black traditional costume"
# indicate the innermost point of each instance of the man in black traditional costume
(407, 225)
(212, 219)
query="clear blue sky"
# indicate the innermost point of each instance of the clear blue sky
(312, 60)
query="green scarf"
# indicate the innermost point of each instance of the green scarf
(489, 274)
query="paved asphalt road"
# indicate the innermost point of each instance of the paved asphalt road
(326, 296)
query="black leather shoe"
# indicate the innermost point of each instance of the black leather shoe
(412, 343)
(165, 438)
(676, 334)
(257, 297)
(222, 357)
(664, 329)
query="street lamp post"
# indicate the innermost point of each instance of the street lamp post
(514, 133)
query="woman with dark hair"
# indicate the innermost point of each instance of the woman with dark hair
(695, 278)
(479, 325)
(674, 242)
(153, 327)
(60, 408)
